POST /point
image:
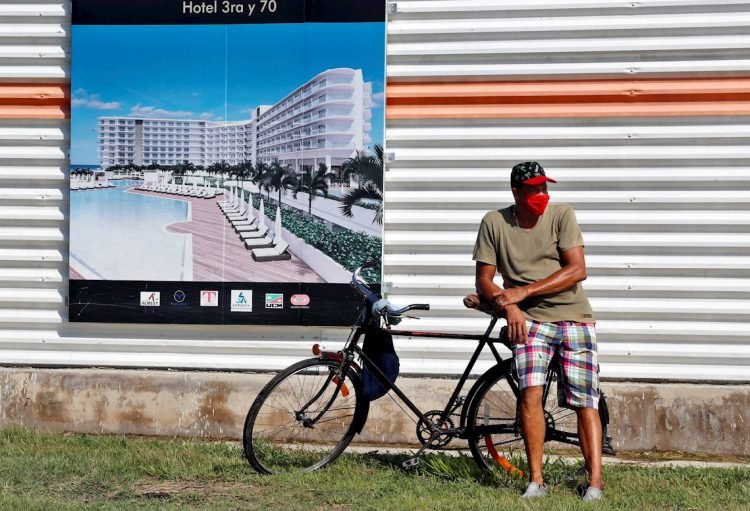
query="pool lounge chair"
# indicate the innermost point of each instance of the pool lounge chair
(230, 198)
(278, 252)
(232, 207)
(260, 232)
(265, 242)
(249, 226)
(248, 219)
(245, 217)
(240, 214)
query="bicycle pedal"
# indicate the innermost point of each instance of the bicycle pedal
(412, 464)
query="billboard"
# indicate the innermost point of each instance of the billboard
(226, 159)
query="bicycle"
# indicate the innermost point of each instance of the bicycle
(306, 416)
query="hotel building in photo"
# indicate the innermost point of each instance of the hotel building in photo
(324, 120)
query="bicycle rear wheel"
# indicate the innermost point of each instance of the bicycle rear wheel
(495, 429)
(562, 422)
(494, 432)
(303, 418)
(558, 419)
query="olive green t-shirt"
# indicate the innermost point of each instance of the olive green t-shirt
(525, 256)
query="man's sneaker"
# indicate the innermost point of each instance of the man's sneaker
(592, 494)
(534, 490)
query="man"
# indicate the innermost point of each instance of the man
(538, 250)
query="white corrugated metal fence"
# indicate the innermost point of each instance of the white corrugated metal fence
(663, 202)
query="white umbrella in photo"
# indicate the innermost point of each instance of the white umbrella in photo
(277, 229)
(261, 214)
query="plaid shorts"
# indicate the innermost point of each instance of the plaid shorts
(576, 344)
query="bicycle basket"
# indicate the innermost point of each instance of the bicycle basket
(378, 346)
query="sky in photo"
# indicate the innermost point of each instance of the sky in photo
(212, 72)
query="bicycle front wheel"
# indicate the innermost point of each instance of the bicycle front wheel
(303, 418)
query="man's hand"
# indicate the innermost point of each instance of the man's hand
(517, 332)
(511, 296)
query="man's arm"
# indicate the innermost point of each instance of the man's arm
(572, 272)
(485, 283)
(490, 292)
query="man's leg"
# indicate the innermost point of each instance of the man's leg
(590, 435)
(532, 360)
(533, 429)
(581, 385)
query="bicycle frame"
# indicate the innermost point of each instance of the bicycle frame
(484, 340)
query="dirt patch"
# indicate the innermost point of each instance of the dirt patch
(153, 489)
(657, 456)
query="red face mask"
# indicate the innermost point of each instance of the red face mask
(536, 204)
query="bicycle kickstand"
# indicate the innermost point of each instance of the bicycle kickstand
(415, 461)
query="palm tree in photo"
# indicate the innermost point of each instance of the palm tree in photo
(200, 168)
(221, 168)
(214, 168)
(178, 170)
(243, 171)
(279, 177)
(183, 168)
(365, 166)
(314, 184)
(370, 172)
(259, 172)
(352, 166)
(378, 157)
(369, 191)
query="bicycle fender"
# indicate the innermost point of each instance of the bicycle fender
(603, 411)
(362, 419)
(490, 374)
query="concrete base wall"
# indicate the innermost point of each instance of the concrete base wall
(676, 417)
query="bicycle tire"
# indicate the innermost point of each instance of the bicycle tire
(561, 419)
(499, 412)
(279, 436)
(494, 408)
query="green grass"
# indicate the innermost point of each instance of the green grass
(41, 471)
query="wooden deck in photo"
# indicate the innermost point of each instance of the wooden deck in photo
(218, 253)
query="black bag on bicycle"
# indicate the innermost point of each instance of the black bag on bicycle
(378, 346)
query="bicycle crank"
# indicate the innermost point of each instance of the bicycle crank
(424, 431)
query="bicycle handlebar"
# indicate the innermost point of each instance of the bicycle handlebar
(379, 305)
(383, 306)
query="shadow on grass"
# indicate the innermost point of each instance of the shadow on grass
(461, 466)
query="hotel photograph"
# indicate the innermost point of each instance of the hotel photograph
(226, 153)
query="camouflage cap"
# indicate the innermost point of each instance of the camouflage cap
(528, 173)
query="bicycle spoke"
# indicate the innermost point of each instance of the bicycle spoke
(322, 421)
(316, 419)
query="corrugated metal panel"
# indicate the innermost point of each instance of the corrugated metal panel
(671, 295)
(34, 142)
(478, 39)
(663, 201)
